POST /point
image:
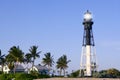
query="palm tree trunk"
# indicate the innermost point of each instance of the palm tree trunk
(27, 67)
(2, 68)
(16, 64)
(15, 68)
(49, 69)
(64, 71)
(60, 71)
(33, 63)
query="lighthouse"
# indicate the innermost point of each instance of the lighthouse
(88, 64)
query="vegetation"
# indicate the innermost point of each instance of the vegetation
(75, 74)
(109, 73)
(15, 56)
(21, 76)
(2, 59)
(33, 53)
(62, 64)
(48, 60)
(27, 59)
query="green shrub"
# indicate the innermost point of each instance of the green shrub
(1, 72)
(21, 76)
(75, 74)
(43, 76)
(35, 74)
(109, 73)
(96, 74)
(3, 77)
(6, 76)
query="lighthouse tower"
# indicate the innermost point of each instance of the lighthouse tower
(88, 63)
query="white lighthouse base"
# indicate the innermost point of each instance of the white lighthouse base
(88, 57)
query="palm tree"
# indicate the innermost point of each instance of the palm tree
(62, 64)
(28, 58)
(34, 53)
(10, 61)
(15, 55)
(2, 59)
(48, 60)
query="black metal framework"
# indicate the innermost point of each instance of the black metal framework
(88, 38)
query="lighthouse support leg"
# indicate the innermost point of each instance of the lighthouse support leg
(88, 60)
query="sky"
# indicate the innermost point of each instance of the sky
(55, 26)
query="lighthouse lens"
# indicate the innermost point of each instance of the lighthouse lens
(87, 16)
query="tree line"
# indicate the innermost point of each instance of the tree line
(16, 56)
(108, 73)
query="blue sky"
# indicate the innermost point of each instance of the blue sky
(56, 27)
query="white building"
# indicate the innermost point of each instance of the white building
(5, 69)
(39, 68)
